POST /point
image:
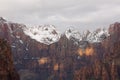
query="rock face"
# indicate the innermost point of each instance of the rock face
(106, 67)
(7, 69)
(71, 56)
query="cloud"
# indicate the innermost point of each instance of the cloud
(83, 14)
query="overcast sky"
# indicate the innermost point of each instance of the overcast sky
(82, 14)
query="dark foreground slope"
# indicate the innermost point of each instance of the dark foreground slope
(7, 69)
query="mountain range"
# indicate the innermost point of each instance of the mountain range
(43, 53)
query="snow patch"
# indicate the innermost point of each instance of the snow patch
(91, 37)
(46, 34)
(98, 36)
(27, 49)
(21, 41)
(17, 36)
(13, 46)
(71, 33)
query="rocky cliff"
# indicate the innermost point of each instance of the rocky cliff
(107, 67)
(7, 69)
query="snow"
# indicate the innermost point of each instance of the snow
(46, 34)
(17, 36)
(8, 24)
(92, 37)
(13, 46)
(97, 36)
(71, 33)
(21, 41)
(27, 49)
(2, 19)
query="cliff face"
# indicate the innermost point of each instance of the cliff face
(106, 67)
(64, 59)
(7, 69)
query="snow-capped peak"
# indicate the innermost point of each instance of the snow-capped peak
(46, 34)
(97, 36)
(2, 19)
(91, 37)
(71, 33)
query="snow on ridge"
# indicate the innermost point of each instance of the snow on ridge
(46, 34)
(92, 37)
(72, 33)
(98, 36)
(2, 19)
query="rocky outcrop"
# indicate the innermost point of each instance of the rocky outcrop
(7, 69)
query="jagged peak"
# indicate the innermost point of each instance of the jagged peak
(92, 37)
(72, 32)
(2, 19)
(46, 34)
(97, 36)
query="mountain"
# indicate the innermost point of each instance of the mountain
(92, 37)
(107, 67)
(45, 54)
(46, 34)
(7, 69)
